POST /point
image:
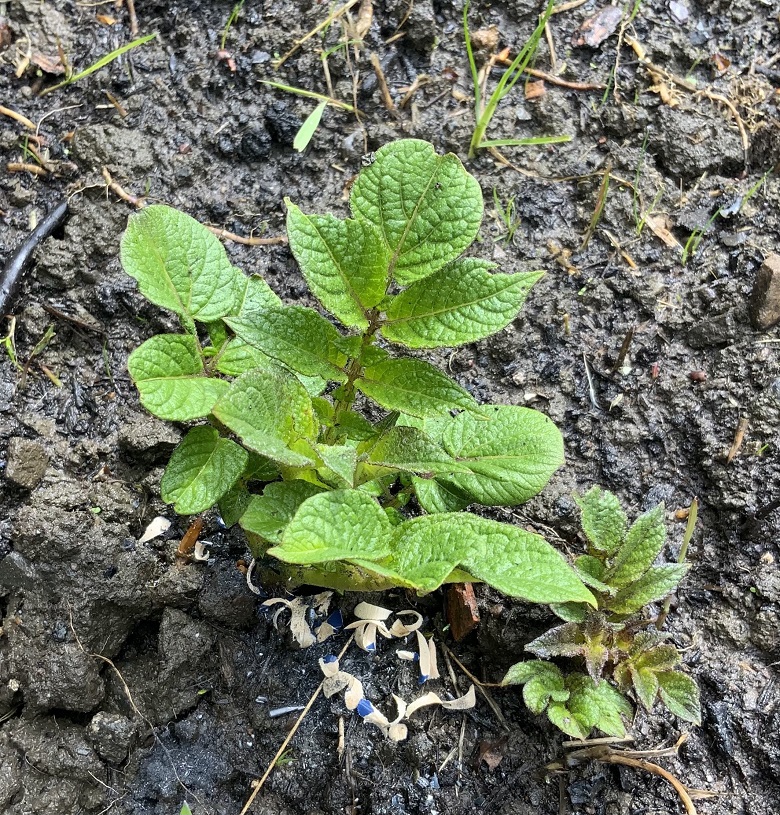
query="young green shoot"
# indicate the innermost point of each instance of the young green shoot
(232, 17)
(618, 644)
(601, 202)
(506, 214)
(484, 109)
(326, 496)
(696, 237)
(101, 63)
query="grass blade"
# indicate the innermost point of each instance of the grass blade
(101, 63)
(525, 142)
(309, 127)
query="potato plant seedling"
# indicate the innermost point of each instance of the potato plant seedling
(613, 641)
(282, 447)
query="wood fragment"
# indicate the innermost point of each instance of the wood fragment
(12, 114)
(112, 185)
(223, 234)
(739, 438)
(187, 545)
(384, 90)
(462, 611)
(133, 18)
(25, 167)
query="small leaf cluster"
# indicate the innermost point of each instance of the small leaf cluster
(284, 448)
(621, 650)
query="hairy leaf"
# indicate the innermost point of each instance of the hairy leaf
(256, 295)
(340, 462)
(680, 694)
(597, 704)
(511, 453)
(238, 357)
(168, 372)
(344, 263)
(542, 682)
(296, 336)
(180, 265)
(565, 640)
(271, 412)
(642, 545)
(645, 684)
(233, 504)
(560, 715)
(427, 207)
(268, 514)
(587, 568)
(409, 449)
(437, 497)
(516, 562)
(657, 583)
(414, 387)
(337, 525)
(463, 302)
(201, 470)
(603, 519)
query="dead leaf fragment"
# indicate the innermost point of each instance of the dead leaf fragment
(533, 90)
(492, 752)
(659, 226)
(596, 29)
(49, 65)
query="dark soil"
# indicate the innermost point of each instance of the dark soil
(80, 461)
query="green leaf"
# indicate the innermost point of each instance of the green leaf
(271, 412)
(337, 525)
(234, 503)
(542, 681)
(645, 684)
(565, 720)
(603, 519)
(642, 545)
(511, 452)
(414, 387)
(201, 470)
(463, 302)
(435, 497)
(410, 450)
(344, 263)
(681, 695)
(238, 357)
(180, 265)
(656, 584)
(354, 426)
(296, 336)
(168, 372)
(340, 462)
(256, 295)
(309, 127)
(427, 207)
(597, 704)
(516, 562)
(659, 658)
(268, 514)
(591, 570)
(570, 612)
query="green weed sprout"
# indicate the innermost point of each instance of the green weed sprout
(324, 494)
(621, 650)
(484, 109)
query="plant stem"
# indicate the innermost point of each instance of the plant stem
(353, 369)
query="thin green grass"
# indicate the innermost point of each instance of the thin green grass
(692, 244)
(101, 63)
(484, 110)
(235, 11)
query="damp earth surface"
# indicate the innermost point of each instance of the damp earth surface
(130, 680)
